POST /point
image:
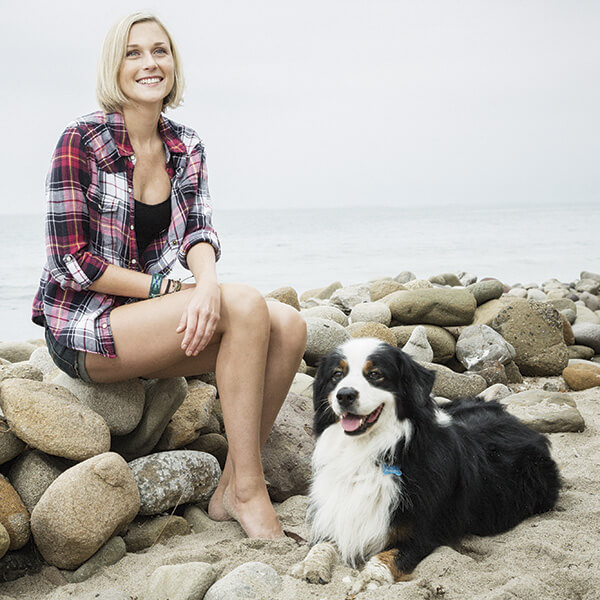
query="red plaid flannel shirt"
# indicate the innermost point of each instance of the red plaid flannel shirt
(90, 223)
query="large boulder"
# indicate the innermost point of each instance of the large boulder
(83, 508)
(287, 454)
(50, 418)
(436, 306)
(534, 329)
(479, 344)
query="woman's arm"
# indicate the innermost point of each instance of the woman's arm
(118, 281)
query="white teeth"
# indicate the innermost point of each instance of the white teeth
(149, 80)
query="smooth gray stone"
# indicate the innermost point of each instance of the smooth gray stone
(326, 312)
(41, 359)
(451, 385)
(489, 289)
(252, 580)
(417, 346)
(587, 334)
(323, 336)
(112, 552)
(10, 444)
(156, 530)
(16, 351)
(20, 370)
(188, 581)
(376, 312)
(589, 275)
(347, 298)
(405, 277)
(478, 344)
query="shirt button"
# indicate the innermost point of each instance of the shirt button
(67, 259)
(104, 325)
(130, 190)
(133, 262)
(174, 243)
(131, 227)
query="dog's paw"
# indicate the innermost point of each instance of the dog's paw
(318, 564)
(374, 575)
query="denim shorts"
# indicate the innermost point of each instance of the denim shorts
(69, 361)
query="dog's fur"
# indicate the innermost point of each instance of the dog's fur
(414, 476)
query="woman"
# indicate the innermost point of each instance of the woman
(127, 195)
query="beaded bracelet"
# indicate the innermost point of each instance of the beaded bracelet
(157, 279)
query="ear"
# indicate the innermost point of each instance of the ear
(323, 415)
(417, 380)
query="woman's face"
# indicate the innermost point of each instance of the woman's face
(147, 71)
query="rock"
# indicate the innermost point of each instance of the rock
(212, 443)
(326, 312)
(567, 331)
(112, 552)
(439, 306)
(10, 444)
(188, 581)
(586, 285)
(323, 336)
(534, 329)
(538, 295)
(582, 352)
(382, 287)
(19, 563)
(323, 293)
(13, 515)
(4, 540)
(512, 373)
(50, 418)
(517, 293)
(418, 284)
(287, 454)
(40, 358)
(488, 289)
(16, 351)
(169, 479)
(451, 385)
(497, 392)
(466, 279)
(592, 302)
(197, 519)
(250, 580)
(163, 398)
(445, 279)
(546, 412)
(569, 315)
(376, 312)
(83, 508)
(585, 315)
(189, 419)
(143, 534)
(589, 275)
(405, 277)
(587, 334)
(302, 385)
(442, 342)
(582, 376)
(479, 344)
(20, 370)
(120, 404)
(372, 330)
(493, 372)
(417, 346)
(286, 295)
(32, 473)
(563, 304)
(348, 297)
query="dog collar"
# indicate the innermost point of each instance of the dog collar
(391, 470)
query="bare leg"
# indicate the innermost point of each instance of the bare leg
(286, 346)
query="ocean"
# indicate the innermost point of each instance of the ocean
(311, 248)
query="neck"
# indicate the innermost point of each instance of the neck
(141, 123)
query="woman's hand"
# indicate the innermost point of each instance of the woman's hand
(201, 316)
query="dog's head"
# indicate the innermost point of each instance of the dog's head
(365, 380)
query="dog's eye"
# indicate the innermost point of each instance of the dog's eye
(374, 375)
(337, 375)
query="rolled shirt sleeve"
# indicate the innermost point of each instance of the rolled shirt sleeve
(70, 261)
(199, 227)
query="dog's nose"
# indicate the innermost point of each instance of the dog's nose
(346, 397)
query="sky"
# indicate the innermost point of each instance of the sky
(335, 102)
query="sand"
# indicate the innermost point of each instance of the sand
(554, 556)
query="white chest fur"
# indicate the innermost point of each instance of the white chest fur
(352, 499)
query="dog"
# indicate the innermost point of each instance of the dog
(395, 475)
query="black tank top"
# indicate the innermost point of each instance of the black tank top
(150, 221)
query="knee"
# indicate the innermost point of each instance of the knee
(244, 304)
(287, 324)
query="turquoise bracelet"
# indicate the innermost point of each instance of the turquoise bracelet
(155, 286)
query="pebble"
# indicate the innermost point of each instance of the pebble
(488, 289)
(591, 286)
(32, 473)
(372, 330)
(163, 398)
(251, 580)
(592, 302)
(189, 581)
(326, 312)
(417, 345)
(83, 508)
(4, 540)
(347, 298)
(13, 515)
(478, 344)
(585, 315)
(405, 277)
(497, 392)
(582, 376)
(213, 443)
(10, 444)
(441, 340)
(169, 479)
(450, 279)
(50, 418)
(376, 312)
(536, 294)
(20, 370)
(197, 519)
(466, 279)
(286, 295)
(582, 352)
(112, 552)
(120, 404)
(439, 306)
(451, 385)
(546, 412)
(323, 293)
(323, 336)
(587, 334)
(418, 284)
(16, 351)
(143, 534)
(383, 287)
(193, 415)
(517, 293)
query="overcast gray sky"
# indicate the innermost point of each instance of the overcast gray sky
(335, 102)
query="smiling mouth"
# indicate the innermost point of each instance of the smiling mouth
(149, 80)
(356, 424)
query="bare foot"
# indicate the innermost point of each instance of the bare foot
(216, 511)
(254, 512)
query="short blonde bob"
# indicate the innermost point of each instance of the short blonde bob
(109, 93)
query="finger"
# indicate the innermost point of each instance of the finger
(209, 332)
(198, 333)
(182, 323)
(190, 330)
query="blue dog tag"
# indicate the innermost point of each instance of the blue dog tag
(391, 470)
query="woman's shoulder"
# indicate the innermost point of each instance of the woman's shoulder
(87, 126)
(186, 135)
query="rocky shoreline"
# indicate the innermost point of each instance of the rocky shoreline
(97, 475)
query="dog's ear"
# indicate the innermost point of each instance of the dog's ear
(323, 415)
(416, 380)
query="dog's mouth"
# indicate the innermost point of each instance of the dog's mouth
(356, 424)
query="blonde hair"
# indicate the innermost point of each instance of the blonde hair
(109, 93)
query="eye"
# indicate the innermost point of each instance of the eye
(337, 375)
(161, 50)
(131, 53)
(375, 375)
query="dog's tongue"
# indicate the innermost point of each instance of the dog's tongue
(350, 422)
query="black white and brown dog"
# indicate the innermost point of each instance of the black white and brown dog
(395, 476)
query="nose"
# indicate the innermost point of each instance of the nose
(149, 61)
(346, 397)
